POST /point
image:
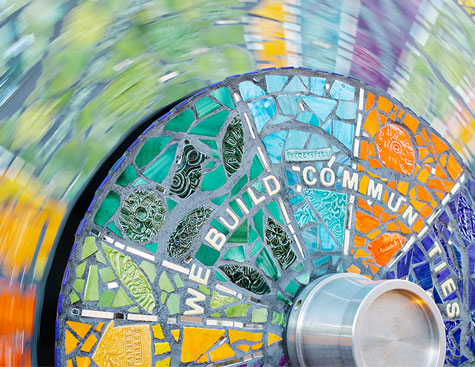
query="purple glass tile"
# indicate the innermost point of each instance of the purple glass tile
(444, 217)
(72, 251)
(423, 275)
(471, 259)
(60, 303)
(197, 94)
(437, 298)
(443, 275)
(466, 218)
(283, 360)
(103, 183)
(288, 67)
(272, 68)
(471, 295)
(118, 163)
(452, 207)
(403, 264)
(471, 186)
(460, 286)
(58, 356)
(57, 330)
(418, 256)
(258, 364)
(471, 345)
(66, 276)
(451, 296)
(215, 84)
(81, 226)
(427, 242)
(92, 203)
(251, 72)
(133, 144)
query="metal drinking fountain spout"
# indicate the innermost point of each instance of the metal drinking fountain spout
(349, 320)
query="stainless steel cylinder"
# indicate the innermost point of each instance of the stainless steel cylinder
(349, 320)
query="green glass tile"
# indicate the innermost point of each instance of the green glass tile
(304, 278)
(152, 247)
(237, 311)
(280, 297)
(216, 314)
(215, 155)
(278, 319)
(100, 258)
(182, 122)
(151, 148)
(298, 267)
(259, 315)
(266, 263)
(214, 180)
(236, 253)
(79, 285)
(73, 297)
(256, 168)
(292, 288)
(257, 246)
(149, 269)
(210, 164)
(211, 143)
(223, 95)
(140, 181)
(114, 229)
(258, 222)
(240, 184)
(219, 200)
(258, 186)
(127, 176)
(207, 255)
(205, 106)
(121, 299)
(91, 293)
(240, 234)
(252, 234)
(164, 283)
(158, 170)
(235, 207)
(178, 281)
(211, 125)
(134, 309)
(107, 275)
(173, 304)
(89, 247)
(171, 204)
(80, 269)
(275, 211)
(219, 226)
(163, 297)
(108, 207)
(205, 290)
(106, 298)
(220, 277)
(219, 300)
(247, 199)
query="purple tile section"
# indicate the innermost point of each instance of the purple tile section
(60, 303)
(283, 360)
(103, 183)
(72, 251)
(148, 128)
(81, 226)
(118, 163)
(66, 275)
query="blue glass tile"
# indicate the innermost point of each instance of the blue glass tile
(322, 107)
(427, 242)
(466, 219)
(295, 85)
(289, 103)
(460, 286)
(423, 275)
(471, 295)
(319, 262)
(292, 178)
(441, 276)
(418, 255)
(317, 141)
(296, 199)
(390, 275)
(327, 243)
(346, 110)
(403, 264)
(304, 215)
(344, 132)
(437, 298)
(262, 110)
(249, 90)
(341, 90)
(278, 120)
(275, 83)
(296, 139)
(471, 345)
(308, 118)
(317, 86)
(310, 237)
(275, 144)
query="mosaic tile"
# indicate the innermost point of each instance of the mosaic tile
(127, 176)
(91, 292)
(262, 111)
(211, 125)
(191, 350)
(233, 145)
(236, 253)
(279, 242)
(219, 300)
(207, 255)
(247, 278)
(223, 96)
(159, 169)
(214, 179)
(237, 311)
(151, 148)
(180, 123)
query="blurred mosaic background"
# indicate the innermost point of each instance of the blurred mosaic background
(76, 76)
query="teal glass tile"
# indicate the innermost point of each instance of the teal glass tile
(308, 118)
(278, 119)
(140, 181)
(240, 234)
(210, 164)
(173, 304)
(247, 199)
(346, 110)
(256, 168)
(280, 297)
(159, 169)
(265, 261)
(219, 200)
(304, 215)
(310, 238)
(107, 209)
(211, 143)
(344, 132)
(317, 86)
(249, 90)
(205, 106)
(289, 103)
(214, 180)
(236, 253)
(296, 199)
(327, 243)
(296, 139)
(223, 96)
(322, 107)
(292, 177)
(127, 176)
(258, 219)
(151, 148)
(304, 80)
(275, 211)
(152, 247)
(211, 125)
(274, 144)
(321, 261)
(292, 288)
(275, 83)
(258, 186)
(219, 226)
(316, 142)
(327, 126)
(252, 235)
(171, 204)
(341, 90)
(262, 111)
(239, 185)
(111, 226)
(207, 255)
(220, 277)
(295, 85)
(257, 246)
(182, 122)
(235, 207)
(304, 278)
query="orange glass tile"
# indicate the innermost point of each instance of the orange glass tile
(363, 185)
(365, 223)
(424, 135)
(190, 349)
(353, 269)
(423, 194)
(382, 119)
(257, 346)
(363, 150)
(377, 211)
(439, 194)
(371, 149)
(372, 235)
(423, 152)
(235, 335)
(83, 361)
(428, 160)
(272, 338)
(436, 184)
(369, 101)
(79, 328)
(395, 149)
(385, 217)
(374, 175)
(385, 246)
(403, 228)
(70, 342)
(443, 160)
(204, 358)
(411, 123)
(69, 363)
(418, 225)
(360, 168)
(374, 163)
(426, 211)
(371, 125)
(373, 268)
(392, 184)
(412, 193)
(89, 343)
(453, 167)
(439, 145)
(243, 347)
(431, 149)
(402, 187)
(392, 116)
(360, 253)
(391, 227)
(176, 334)
(99, 326)
(401, 210)
(433, 203)
(363, 204)
(448, 185)
(420, 141)
(400, 113)
(359, 241)
(223, 352)
(384, 104)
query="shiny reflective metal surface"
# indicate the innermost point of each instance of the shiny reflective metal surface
(349, 320)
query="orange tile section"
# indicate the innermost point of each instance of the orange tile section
(385, 246)
(235, 335)
(79, 328)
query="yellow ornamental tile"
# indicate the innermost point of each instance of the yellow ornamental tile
(161, 348)
(363, 185)
(257, 346)
(164, 362)
(176, 334)
(223, 352)
(79, 328)
(83, 361)
(235, 335)
(373, 234)
(89, 343)
(197, 341)
(70, 343)
(272, 338)
(243, 347)
(157, 331)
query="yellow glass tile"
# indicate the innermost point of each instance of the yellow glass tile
(161, 348)
(83, 361)
(203, 359)
(257, 346)
(417, 204)
(79, 328)
(176, 334)
(353, 269)
(423, 175)
(99, 326)
(70, 342)
(372, 174)
(373, 268)
(412, 193)
(190, 349)
(363, 185)
(433, 203)
(272, 338)
(243, 347)
(360, 253)
(69, 363)
(223, 352)
(374, 234)
(418, 225)
(235, 335)
(164, 362)
(89, 343)
(270, 9)
(157, 331)
(402, 187)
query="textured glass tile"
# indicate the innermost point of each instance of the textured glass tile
(178, 281)
(89, 247)
(247, 278)
(275, 83)
(295, 85)
(163, 297)
(275, 144)
(149, 270)
(280, 297)
(258, 219)
(205, 106)
(219, 300)
(158, 170)
(266, 263)
(308, 118)
(108, 207)
(262, 110)
(275, 211)
(233, 146)
(182, 122)
(240, 234)
(211, 125)
(257, 246)
(139, 182)
(317, 86)
(187, 176)
(341, 90)
(100, 258)
(250, 90)
(211, 143)
(292, 178)
(310, 236)
(304, 278)
(223, 95)
(236, 253)
(219, 200)
(256, 168)
(346, 110)
(164, 283)
(107, 275)
(296, 139)
(214, 180)
(127, 176)
(113, 228)
(259, 315)
(121, 299)
(322, 107)
(80, 269)
(171, 204)
(304, 215)
(106, 298)
(344, 132)
(207, 255)
(151, 148)
(237, 310)
(279, 242)
(289, 103)
(91, 293)
(292, 288)
(278, 319)
(79, 285)
(173, 304)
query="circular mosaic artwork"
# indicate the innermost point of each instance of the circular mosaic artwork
(200, 237)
